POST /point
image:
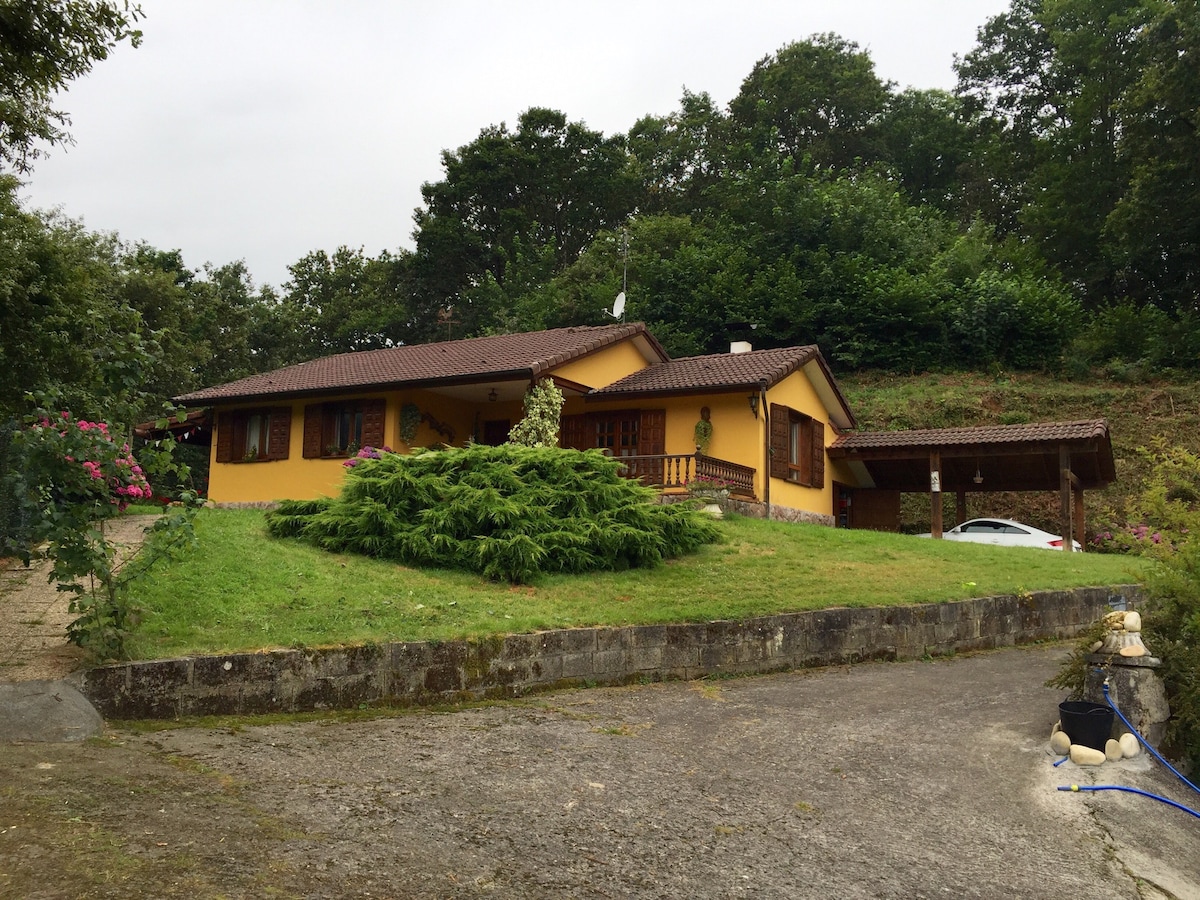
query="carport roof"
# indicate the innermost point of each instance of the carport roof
(1002, 457)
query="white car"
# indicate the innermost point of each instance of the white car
(1004, 533)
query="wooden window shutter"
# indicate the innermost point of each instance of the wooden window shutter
(652, 436)
(818, 454)
(280, 434)
(372, 425)
(780, 427)
(313, 421)
(574, 433)
(224, 437)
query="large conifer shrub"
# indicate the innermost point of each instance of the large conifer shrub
(509, 512)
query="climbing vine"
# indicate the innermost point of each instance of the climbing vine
(543, 408)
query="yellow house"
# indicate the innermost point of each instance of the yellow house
(771, 414)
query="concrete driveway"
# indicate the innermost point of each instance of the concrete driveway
(908, 780)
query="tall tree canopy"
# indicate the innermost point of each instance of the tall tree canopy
(1045, 83)
(44, 45)
(819, 97)
(510, 196)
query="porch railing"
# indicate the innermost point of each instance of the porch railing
(677, 470)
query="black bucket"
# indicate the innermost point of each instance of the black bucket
(1086, 723)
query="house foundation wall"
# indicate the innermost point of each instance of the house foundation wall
(426, 673)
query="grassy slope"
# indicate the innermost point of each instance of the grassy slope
(1136, 413)
(243, 590)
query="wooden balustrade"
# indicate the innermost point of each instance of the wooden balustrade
(677, 470)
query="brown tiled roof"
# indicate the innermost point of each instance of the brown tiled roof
(716, 371)
(473, 359)
(986, 458)
(982, 435)
(722, 372)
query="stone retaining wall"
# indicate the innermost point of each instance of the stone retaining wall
(409, 673)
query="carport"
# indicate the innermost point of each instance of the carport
(1066, 457)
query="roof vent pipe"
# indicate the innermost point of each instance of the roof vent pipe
(740, 347)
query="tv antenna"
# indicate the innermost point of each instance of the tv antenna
(618, 310)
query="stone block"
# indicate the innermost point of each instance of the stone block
(609, 639)
(643, 636)
(610, 665)
(577, 665)
(645, 659)
(443, 679)
(214, 671)
(680, 656)
(164, 676)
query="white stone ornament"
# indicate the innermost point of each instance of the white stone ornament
(1060, 743)
(1086, 756)
(1129, 745)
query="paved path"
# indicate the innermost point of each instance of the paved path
(892, 780)
(34, 614)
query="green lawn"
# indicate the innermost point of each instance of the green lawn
(244, 590)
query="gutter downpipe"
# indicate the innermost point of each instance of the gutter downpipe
(762, 402)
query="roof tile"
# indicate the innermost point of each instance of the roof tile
(986, 434)
(527, 354)
(714, 371)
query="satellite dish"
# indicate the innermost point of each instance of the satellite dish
(618, 310)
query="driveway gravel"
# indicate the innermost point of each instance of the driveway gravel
(895, 780)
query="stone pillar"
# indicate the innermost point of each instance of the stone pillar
(1135, 689)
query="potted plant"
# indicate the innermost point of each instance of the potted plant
(711, 490)
(703, 431)
(709, 487)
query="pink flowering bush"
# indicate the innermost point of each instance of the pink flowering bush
(79, 462)
(1160, 519)
(367, 452)
(75, 475)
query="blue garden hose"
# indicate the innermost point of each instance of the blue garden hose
(1143, 741)
(1129, 790)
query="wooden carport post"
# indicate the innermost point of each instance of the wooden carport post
(1065, 506)
(935, 492)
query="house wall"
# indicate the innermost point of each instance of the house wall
(798, 393)
(297, 478)
(605, 366)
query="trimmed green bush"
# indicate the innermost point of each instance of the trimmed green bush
(509, 513)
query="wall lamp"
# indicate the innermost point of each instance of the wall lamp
(753, 398)
(492, 395)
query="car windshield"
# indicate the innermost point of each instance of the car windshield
(987, 527)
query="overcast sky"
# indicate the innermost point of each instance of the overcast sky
(265, 129)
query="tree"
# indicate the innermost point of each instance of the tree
(679, 157)
(44, 45)
(924, 141)
(341, 303)
(549, 184)
(819, 98)
(66, 329)
(1155, 229)
(1044, 85)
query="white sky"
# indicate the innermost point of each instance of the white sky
(265, 129)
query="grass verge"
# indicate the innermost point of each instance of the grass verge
(244, 590)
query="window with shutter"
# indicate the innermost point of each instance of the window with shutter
(780, 416)
(342, 429)
(797, 447)
(254, 435)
